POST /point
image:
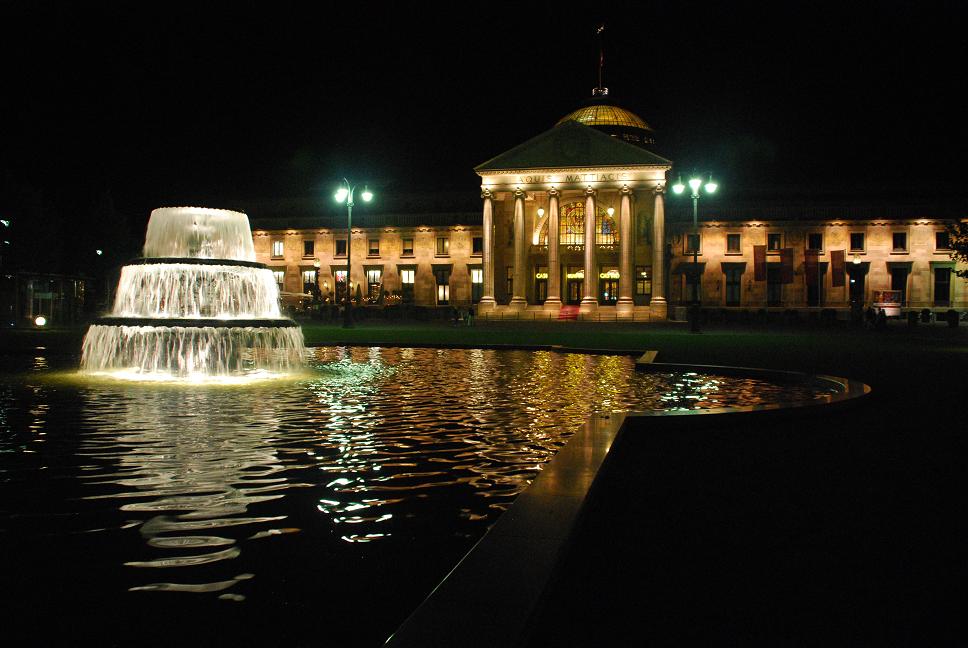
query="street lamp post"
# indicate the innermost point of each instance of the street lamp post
(694, 184)
(345, 195)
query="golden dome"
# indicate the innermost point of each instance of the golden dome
(604, 115)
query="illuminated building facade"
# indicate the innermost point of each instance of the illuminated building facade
(568, 226)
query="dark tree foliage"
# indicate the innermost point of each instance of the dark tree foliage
(958, 240)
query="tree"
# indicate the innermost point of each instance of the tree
(958, 241)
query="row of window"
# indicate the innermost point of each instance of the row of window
(374, 283)
(442, 247)
(858, 242)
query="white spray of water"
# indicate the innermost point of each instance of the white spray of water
(194, 291)
(199, 233)
(189, 352)
(153, 293)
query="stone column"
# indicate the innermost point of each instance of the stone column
(658, 307)
(589, 301)
(553, 301)
(518, 301)
(487, 302)
(626, 280)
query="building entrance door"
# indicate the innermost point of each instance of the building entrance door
(574, 291)
(609, 292)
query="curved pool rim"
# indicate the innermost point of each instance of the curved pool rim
(498, 585)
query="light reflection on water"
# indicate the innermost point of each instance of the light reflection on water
(374, 446)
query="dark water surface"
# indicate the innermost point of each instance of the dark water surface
(314, 511)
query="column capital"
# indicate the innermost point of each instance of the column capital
(625, 190)
(659, 189)
(553, 192)
(520, 193)
(486, 194)
(591, 191)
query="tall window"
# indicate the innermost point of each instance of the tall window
(309, 248)
(606, 232)
(340, 279)
(340, 247)
(278, 248)
(643, 280)
(406, 281)
(477, 284)
(571, 224)
(734, 284)
(540, 284)
(280, 277)
(374, 248)
(443, 246)
(309, 280)
(407, 247)
(942, 286)
(774, 289)
(374, 279)
(899, 282)
(733, 244)
(510, 281)
(443, 286)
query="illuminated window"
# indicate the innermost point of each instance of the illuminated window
(571, 226)
(477, 284)
(407, 247)
(406, 279)
(278, 248)
(643, 280)
(857, 242)
(309, 281)
(443, 246)
(774, 241)
(340, 247)
(309, 248)
(374, 248)
(280, 277)
(442, 276)
(606, 231)
(733, 244)
(340, 277)
(374, 279)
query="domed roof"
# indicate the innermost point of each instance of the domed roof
(601, 114)
(605, 115)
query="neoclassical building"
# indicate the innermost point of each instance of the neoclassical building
(574, 223)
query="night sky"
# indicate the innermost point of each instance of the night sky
(227, 104)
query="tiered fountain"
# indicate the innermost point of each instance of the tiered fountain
(197, 306)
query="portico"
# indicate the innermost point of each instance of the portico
(574, 217)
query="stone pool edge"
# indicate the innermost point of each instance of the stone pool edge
(489, 597)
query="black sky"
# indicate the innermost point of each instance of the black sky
(169, 103)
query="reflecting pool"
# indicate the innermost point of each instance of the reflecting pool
(316, 510)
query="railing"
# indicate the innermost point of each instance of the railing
(552, 316)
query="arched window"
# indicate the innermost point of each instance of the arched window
(606, 231)
(571, 224)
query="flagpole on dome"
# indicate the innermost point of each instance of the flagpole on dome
(601, 90)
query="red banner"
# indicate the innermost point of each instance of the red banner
(811, 267)
(786, 265)
(837, 268)
(759, 262)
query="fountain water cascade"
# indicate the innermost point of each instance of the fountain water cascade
(197, 306)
